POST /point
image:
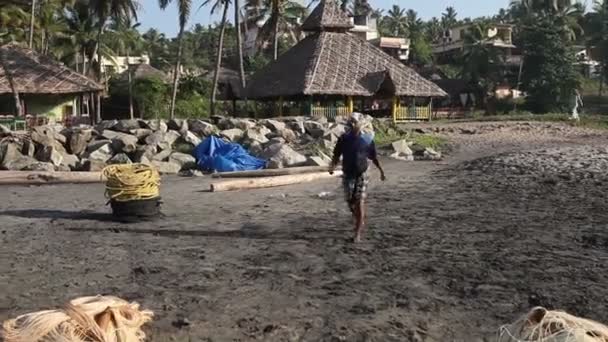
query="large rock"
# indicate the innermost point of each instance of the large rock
(191, 138)
(162, 155)
(162, 140)
(234, 134)
(102, 153)
(121, 141)
(19, 163)
(186, 161)
(144, 151)
(257, 134)
(91, 165)
(166, 167)
(201, 128)
(315, 129)
(126, 126)
(338, 129)
(106, 124)
(9, 152)
(402, 151)
(40, 166)
(274, 125)
(402, 146)
(169, 139)
(158, 125)
(79, 138)
(141, 133)
(320, 160)
(29, 148)
(94, 145)
(297, 127)
(288, 134)
(46, 136)
(180, 125)
(431, 154)
(70, 161)
(281, 155)
(50, 154)
(120, 158)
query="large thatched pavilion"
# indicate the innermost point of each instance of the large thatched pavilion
(32, 84)
(334, 73)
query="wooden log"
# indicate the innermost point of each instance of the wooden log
(43, 177)
(267, 182)
(271, 172)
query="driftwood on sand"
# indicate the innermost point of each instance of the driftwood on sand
(267, 182)
(85, 319)
(46, 177)
(271, 172)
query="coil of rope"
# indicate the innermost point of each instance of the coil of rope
(131, 182)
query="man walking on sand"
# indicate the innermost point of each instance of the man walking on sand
(356, 149)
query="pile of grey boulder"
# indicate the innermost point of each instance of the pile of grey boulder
(167, 145)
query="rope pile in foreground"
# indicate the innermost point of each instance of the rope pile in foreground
(541, 325)
(131, 182)
(85, 319)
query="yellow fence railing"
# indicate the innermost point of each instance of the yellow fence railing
(411, 113)
(329, 112)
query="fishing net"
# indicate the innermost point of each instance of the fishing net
(541, 325)
(85, 319)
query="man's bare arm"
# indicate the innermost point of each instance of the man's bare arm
(377, 163)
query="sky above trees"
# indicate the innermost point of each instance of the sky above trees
(166, 21)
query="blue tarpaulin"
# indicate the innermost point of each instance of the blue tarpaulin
(216, 155)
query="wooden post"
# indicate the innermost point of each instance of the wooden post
(98, 109)
(280, 106)
(351, 105)
(309, 104)
(234, 107)
(395, 100)
(431, 109)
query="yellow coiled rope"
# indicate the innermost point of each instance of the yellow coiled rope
(131, 182)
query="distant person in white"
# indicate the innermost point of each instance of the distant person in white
(578, 101)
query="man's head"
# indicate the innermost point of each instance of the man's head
(354, 122)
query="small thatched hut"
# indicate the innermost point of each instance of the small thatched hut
(39, 85)
(229, 87)
(335, 70)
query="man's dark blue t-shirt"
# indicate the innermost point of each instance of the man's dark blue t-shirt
(355, 150)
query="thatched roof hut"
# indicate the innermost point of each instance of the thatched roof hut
(39, 85)
(229, 84)
(31, 73)
(145, 71)
(329, 61)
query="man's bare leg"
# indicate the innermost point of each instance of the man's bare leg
(359, 220)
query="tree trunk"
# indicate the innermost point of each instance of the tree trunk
(176, 71)
(97, 51)
(218, 63)
(32, 20)
(84, 61)
(602, 76)
(129, 78)
(239, 47)
(98, 108)
(275, 43)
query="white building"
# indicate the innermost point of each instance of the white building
(498, 35)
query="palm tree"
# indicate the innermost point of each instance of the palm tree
(127, 39)
(13, 19)
(103, 10)
(396, 21)
(32, 21)
(281, 16)
(565, 12)
(183, 8)
(480, 60)
(79, 40)
(239, 43)
(414, 23)
(449, 18)
(433, 30)
(220, 46)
